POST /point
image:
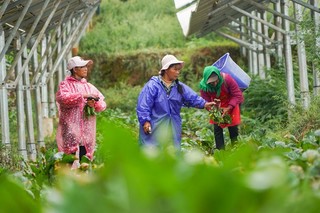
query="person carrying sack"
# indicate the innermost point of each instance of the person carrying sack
(222, 88)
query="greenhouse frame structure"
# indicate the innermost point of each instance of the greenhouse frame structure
(262, 28)
(35, 38)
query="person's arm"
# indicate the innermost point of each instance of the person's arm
(236, 96)
(191, 98)
(234, 91)
(196, 101)
(99, 104)
(66, 98)
(144, 107)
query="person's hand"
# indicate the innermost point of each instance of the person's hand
(217, 102)
(147, 128)
(90, 96)
(91, 99)
(208, 105)
(87, 95)
(91, 102)
(226, 110)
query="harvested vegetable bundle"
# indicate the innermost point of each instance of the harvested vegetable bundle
(215, 114)
(88, 111)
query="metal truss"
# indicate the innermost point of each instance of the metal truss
(262, 28)
(35, 38)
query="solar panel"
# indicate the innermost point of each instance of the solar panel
(12, 13)
(210, 15)
(181, 3)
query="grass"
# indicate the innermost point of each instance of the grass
(124, 26)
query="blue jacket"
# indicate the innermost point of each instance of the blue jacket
(163, 111)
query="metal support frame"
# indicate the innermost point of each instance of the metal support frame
(43, 65)
(256, 39)
(4, 7)
(243, 36)
(274, 12)
(315, 64)
(79, 30)
(4, 98)
(22, 147)
(258, 19)
(302, 59)
(15, 29)
(31, 145)
(261, 46)
(254, 56)
(239, 41)
(38, 39)
(267, 41)
(261, 39)
(306, 5)
(278, 35)
(37, 93)
(26, 41)
(288, 55)
(46, 37)
(245, 26)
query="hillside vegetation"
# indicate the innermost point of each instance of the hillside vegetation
(128, 39)
(137, 25)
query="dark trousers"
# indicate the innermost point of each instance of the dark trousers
(218, 135)
(82, 151)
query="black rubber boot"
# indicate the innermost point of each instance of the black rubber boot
(82, 152)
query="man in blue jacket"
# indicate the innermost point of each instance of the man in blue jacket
(159, 105)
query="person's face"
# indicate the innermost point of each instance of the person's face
(81, 72)
(214, 83)
(173, 72)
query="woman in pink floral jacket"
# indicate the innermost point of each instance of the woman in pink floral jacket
(77, 102)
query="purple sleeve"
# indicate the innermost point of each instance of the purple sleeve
(145, 103)
(192, 98)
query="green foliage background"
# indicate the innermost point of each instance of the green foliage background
(129, 38)
(137, 26)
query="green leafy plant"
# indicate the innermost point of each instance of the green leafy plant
(215, 114)
(89, 111)
(261, 108)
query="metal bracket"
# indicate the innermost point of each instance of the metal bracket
(7, 86)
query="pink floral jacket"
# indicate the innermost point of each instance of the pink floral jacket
(74, 127)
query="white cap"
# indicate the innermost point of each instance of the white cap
(213, 77)
(77, 61)
(168, 60)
